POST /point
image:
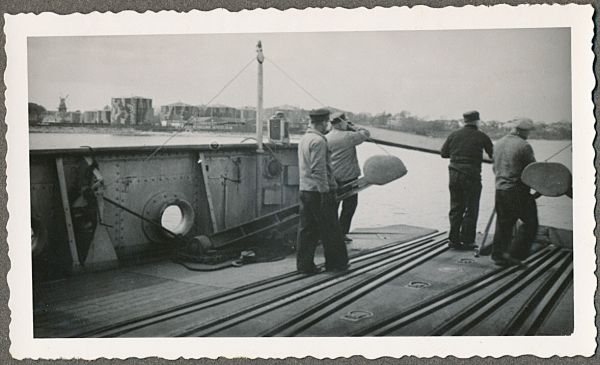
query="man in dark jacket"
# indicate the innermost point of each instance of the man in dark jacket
(318, 215)
(465, 149)
(513, 199)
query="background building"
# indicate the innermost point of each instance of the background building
(178, 112)
(96, 117)
(248, 114)
(133, 110)
(219, 111)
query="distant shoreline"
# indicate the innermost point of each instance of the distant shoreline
(124, 131)
(130, 131)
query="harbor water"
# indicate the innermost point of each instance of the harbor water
(420, 198)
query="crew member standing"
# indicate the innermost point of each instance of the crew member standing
(465, 149)
(342, 141)
(513, 199)
(318, 216)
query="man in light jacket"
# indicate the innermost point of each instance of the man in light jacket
(512, 154)
(318, 216)
(342, 141)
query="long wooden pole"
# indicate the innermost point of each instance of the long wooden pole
(62, 182)
(413, 148)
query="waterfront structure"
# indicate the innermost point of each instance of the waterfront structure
(54, 117)
(248, 114)
(219, 111)
(96, 117)
(132, 110)
(178, 112)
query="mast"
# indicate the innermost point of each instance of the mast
(259, 107)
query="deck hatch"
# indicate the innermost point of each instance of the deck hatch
(418, 284)
(356, 315)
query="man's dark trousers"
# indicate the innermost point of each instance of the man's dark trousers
(465, 191)
(511, 205)
(318, 219)
(348, 209)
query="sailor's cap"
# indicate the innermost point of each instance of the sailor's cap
(471, 116)
(524, 124)
(318, 115)
(337, 117)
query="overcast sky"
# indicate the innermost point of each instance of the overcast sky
(501, 73)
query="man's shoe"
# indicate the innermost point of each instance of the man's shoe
(501, 262)
(485, 250)
(459, 246)
(469, 246)
(507, 260)
(455, 245)
(312, 271)
(338, 269)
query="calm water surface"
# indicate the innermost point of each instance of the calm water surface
(420, 198)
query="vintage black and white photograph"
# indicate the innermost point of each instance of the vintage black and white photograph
(397, 183)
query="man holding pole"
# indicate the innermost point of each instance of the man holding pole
(342, 141)
(513, 199)
(465, 149)
(318, 216)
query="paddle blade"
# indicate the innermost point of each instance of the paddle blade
(547, 178)
(380, 170)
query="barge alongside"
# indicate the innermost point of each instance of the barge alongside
(107, 263)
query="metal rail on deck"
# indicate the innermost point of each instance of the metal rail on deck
(219, 324)
(78, 151)
(475, 313)
(533, 313)
(123, 327)
(448, 297)
(315, 313)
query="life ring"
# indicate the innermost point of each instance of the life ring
(155, 208)
(39, 236)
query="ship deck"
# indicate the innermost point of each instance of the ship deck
(403, 281)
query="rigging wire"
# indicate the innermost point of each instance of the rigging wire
(294, 81)
(208, 103)
(559, 151)
(267, 147)
(315, 98)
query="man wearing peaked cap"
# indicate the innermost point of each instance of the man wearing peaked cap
(471, 117)
(318, 115)
(524, 124)
(465, 149)
(513, 199)
(338, 117)
(318, 216)
(342, 142)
